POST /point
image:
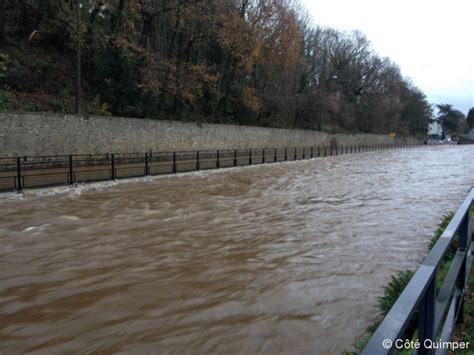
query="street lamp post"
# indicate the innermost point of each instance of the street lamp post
(78, 61)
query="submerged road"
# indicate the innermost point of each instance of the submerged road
(280, 258)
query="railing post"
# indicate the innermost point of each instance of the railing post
(250, 156)
(146, 165)
(312, 152)
(71, 171)
(263, 156)
(175, 166)
(296, 156)
(218, 162)
(304, 153)
(461, 280)
(275, 155)
(19, 185)
(286, 154)
(426, 316)
(235, 157)
(112, 161)
(198, 163)
(325, 151)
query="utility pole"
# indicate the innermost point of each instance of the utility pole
(78, 61)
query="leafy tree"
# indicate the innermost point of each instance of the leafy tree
(470, 118)
(450, 118)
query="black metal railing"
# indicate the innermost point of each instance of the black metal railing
(438, 311)
(17, 173)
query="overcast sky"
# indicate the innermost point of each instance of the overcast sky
(431, 40)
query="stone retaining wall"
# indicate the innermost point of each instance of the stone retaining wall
(51, 134)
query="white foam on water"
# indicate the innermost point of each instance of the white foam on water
(79, 188)
(36, 229)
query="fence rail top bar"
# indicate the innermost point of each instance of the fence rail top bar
(399, 316)
(152, 152)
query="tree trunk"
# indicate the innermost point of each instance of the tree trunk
(3, 18)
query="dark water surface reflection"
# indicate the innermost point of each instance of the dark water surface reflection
(284, 258)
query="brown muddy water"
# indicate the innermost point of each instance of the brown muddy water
(282, 258)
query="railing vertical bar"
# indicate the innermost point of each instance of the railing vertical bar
(461, 279)
(112, 162)
(19, 185)
(71, 171)
(175, 166)
(426, 316)
(147, 170)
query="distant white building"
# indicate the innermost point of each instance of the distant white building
(435, 130)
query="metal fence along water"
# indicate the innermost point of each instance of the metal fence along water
(43, 171)
(438, 311)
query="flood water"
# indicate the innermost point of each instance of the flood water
(281, 258)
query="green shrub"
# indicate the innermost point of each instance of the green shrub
(97, 107)
(7, 101)
(447, 217)
(17, 77)
(392, 291)
(3, 65)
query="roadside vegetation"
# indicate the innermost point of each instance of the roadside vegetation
(465, 332)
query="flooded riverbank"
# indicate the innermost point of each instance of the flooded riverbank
(283, 258)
